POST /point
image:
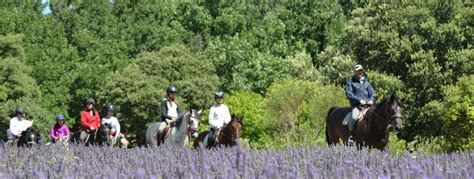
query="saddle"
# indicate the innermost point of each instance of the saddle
(348, 119)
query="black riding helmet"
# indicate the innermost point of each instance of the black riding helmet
(219, 94)
(109, 107)
(19, 111)
(171, 89)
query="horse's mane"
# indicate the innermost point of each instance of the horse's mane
(386, 100)
(180, 118)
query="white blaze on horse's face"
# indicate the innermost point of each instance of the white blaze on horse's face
(194, 120)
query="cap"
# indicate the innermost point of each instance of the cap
(358, 67)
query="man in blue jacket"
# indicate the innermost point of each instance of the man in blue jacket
(360, 93)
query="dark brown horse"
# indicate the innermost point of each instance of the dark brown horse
(227, 135)
(373, 129)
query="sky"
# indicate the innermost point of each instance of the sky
(46, 10)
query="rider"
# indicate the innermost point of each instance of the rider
(169, 107)
(219, 116)
(90, 121)
(112, 122)
(59, 130)
(360, 93)
(18, 124)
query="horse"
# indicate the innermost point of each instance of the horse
(104, 138)
(186, 125)
(29, 137)
(227, 135)
(373, 129)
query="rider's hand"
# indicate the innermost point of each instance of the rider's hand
(92, 128)
(362, 102)
(370, 103)
(173, 120)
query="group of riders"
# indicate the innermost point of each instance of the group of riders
(219, 116)
(358, 90)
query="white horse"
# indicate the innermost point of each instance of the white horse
(186, 125)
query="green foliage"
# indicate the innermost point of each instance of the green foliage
(334, 67)
(384, 85)
(430, 119)
(15, 81)
(240, 67)
(430, 145)
(459, 114)
(302, 68)
(296, 112)
(396, 146)
(11, 46)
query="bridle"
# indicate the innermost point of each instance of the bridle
(191, 130)
(389, 119)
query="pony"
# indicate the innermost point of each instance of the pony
(29, 137)
(178, 135)
(373, 129)
(227, 136)
(104, 138)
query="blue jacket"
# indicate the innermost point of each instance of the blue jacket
(357, 90)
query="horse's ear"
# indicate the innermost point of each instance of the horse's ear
(393, 97)
(199, 112)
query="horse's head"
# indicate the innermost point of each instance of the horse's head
(395, 109)
(31, 136)
(193, 122)
(235, 126)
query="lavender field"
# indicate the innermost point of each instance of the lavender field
(315, 162)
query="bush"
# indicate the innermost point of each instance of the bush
(296, 112)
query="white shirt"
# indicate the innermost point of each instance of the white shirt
(113, 122)
(17, 126)
(218, 116)
(172, 109)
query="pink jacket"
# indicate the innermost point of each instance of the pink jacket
(59, 131)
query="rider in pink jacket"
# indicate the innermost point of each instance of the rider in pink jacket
(59, 130)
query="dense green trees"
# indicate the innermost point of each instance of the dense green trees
(128, 52)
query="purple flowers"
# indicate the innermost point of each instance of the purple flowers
(163, 162)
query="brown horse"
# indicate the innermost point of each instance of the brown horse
(227, 135)
(373, 129)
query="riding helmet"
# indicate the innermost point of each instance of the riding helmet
(219, 94)
(109, 107)
(171, 89)
(60, 117)
(19, 111)
(90, 101)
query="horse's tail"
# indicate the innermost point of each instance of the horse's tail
(327, 124)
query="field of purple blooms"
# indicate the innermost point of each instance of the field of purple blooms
(238, 162)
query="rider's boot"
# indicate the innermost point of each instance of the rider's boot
(211, 138)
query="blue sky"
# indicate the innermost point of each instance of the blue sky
(46, 10)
